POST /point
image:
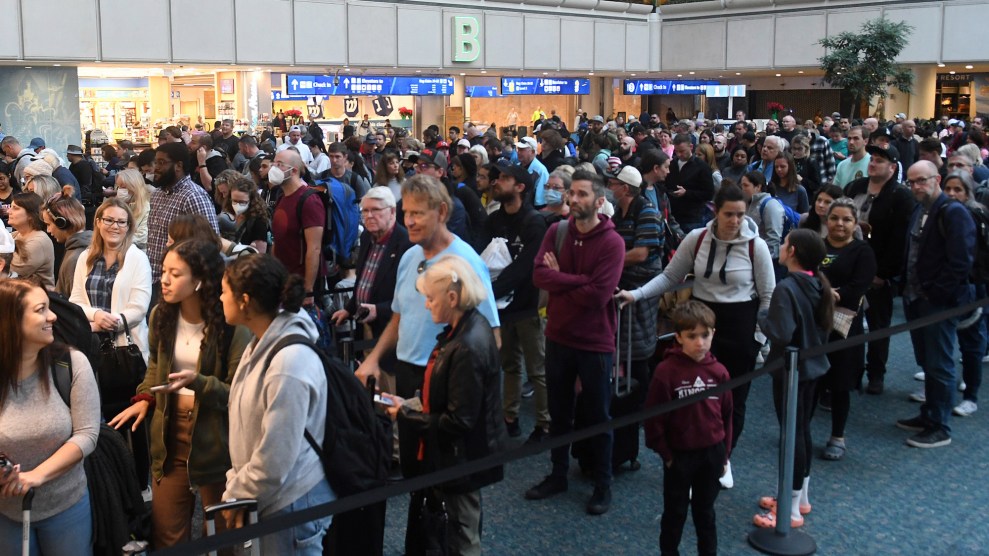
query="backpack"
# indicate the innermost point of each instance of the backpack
(980, 267)
(72, 328)
(12, 167)
(342, 224)
(357, 448)
(791, 218)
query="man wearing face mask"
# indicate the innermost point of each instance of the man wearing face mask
(297, 244)
(176, 195)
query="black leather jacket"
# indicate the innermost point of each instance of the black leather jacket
(465, 420)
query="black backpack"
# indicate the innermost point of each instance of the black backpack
(72, 328)
(357, 446)
(980, 267)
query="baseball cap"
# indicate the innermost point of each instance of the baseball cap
(463, 143)
(836, 115)
(442, 145)
(627, 175)
(371, 139)
(526, 143)
(880, 132)
(411, 155)
(953, 121)
(901, 116)
(598, 118)
(890, 154)
(295, 128)
(37, 143)
(520, 174)
(434, 157)
(74, 149)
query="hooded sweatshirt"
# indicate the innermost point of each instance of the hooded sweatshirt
(790, 321)
(74, 246)
(269, 412)
(723, 271)
(581, 312)
(698, 425)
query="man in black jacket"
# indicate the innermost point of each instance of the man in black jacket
(691, 185)
(383, 243)
(884, 207)
(522, 339)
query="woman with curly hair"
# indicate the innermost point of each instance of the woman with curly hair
(194, 354)
(389, 173)
(251, 215)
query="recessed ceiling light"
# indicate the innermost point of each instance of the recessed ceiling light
(346, 69)
(590, 73)
(484, 71)
(693, 72)
(679, 75)
(633, 75)
(779, 75)
(57, 65)
(970, 66)
(462, 74)
(951, 72)
(738, 73)
(800, 71)
(27, 67)
(940, 65)
(418, 71)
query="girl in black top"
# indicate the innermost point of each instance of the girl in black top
(251, 215)
(850, 265)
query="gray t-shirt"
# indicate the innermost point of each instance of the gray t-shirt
(33, 426)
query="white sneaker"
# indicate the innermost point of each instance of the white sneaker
(966, 408)
(919, 376)
(919, 396)
(727, 481)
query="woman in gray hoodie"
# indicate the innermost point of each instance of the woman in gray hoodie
(271, 408)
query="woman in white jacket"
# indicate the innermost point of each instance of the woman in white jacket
(112, 280)
(733, 275)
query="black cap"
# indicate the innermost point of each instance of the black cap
(521, 175)
(880, 132)
(890, 154)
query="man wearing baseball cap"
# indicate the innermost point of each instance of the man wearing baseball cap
(641, 225)
(295, 140)
(526, 149)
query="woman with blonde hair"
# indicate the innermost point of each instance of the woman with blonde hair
(42, 185)
(458, 417)
(132, 190)
(705, 152)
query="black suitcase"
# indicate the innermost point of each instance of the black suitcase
(628, 382)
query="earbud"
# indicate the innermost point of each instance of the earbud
(199, 285)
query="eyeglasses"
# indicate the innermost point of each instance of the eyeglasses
(368, 211)
(110, 222)
(918, 181)
(424, 166)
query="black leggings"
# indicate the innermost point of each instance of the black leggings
(803, 445)
(735, 347)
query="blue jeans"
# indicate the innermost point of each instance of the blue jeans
(69, 532)
(305, 539)
(972, 343)
(933, 348)
(563, 366)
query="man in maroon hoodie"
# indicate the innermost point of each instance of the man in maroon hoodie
(581, 277)
(691, 440)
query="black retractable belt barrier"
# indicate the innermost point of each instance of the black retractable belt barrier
(266, 527)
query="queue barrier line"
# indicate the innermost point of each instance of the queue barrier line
(373, 496)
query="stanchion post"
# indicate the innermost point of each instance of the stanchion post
(783, 540)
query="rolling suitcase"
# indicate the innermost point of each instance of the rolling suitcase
(253, 546)
(627, 397)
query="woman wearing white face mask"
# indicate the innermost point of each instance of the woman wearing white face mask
(132, 190)
(251, 214)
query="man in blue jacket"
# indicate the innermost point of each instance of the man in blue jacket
(939, 256)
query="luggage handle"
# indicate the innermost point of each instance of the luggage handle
(616, 368)
(26, 522)
(250, 505)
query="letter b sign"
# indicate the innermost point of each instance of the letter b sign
(466, 39)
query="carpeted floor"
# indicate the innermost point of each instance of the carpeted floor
(883, 498)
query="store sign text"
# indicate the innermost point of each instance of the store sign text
(466, 39)
(328, 85)
(545, 86)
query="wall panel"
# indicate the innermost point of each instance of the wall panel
(503, 41)
(576, 36)
(325, 43)
(542, 42)
(123, 40)
(420, 40)
(694, 46)
(750, 43)
(796, 39)
(47, 29)
(609, 45)
(379, 48)
(202, 31)
(255, 22)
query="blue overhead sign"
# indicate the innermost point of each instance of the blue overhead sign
(350, 85)
(545, 86)
(482, 91)
(665, 87)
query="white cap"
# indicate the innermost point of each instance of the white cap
(463, 143)
(526, 143)
(6, 241)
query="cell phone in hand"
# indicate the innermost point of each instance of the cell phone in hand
(362, 313)
(159, 387)
(383, 401)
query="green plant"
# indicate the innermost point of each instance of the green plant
(864, 62)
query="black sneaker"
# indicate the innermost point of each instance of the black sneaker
(600, 501)
(824, 400)
(933, 437)
(537, 436)
(514, 430)
(550, 486)
(528, 390)
(916, 424)
(876, 386)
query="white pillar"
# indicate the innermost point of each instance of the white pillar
(655, 41)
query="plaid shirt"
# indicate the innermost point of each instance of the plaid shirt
(99, 284)
(823, 156)
(185, 197)
(370, 271)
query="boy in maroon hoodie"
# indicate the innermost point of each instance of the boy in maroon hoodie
(691, 440)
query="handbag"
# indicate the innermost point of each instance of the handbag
(843, 319)
(121, 370)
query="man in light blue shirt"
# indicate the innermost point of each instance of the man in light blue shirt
(411, 332)
(527, 159)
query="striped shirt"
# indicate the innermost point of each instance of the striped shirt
(185, 197)
(641, 226)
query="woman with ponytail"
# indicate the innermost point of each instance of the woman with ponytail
(272, 406)
(800, 316)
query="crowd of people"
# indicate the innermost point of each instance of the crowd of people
(485, 269)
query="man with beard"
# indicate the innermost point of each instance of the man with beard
(522, 342)
(721, 153)
(626, 152)
(176, 195)
(227, 141)
(772, 127)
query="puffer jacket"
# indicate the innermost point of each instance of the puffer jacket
(465, 420)
(209, 456)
